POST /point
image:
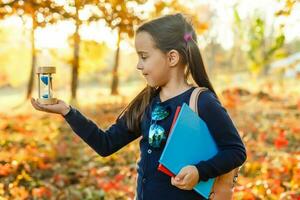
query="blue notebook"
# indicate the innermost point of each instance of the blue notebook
(189, 143)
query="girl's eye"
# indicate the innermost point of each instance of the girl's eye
(143, 57)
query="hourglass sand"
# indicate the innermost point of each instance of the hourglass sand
(45, 90)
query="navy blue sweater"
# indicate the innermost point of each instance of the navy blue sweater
(151, 183)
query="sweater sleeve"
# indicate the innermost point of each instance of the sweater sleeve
(231, 149)
(104, 143)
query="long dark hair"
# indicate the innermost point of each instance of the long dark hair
(168, 33)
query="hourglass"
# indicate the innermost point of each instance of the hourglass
(45, 89)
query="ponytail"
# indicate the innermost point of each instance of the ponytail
(196, 66)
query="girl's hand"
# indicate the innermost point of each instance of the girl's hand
(60, 108)
(187, 178)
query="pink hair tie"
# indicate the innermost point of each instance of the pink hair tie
(187, 37)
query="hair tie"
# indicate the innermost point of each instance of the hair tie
(187, 37)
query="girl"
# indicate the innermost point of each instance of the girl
(168, 54)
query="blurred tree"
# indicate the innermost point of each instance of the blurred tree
(287, 7)
(261, 47)
(121, 16)
(238, 56)
(13, 52)
(5, 6)
(41, 13)
(199, 15)
(91, 56)
(5, 9)
(72, 12)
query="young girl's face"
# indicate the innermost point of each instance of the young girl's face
(152, 62)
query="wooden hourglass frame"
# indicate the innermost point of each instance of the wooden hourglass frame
(45, 89)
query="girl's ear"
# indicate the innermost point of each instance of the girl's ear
(173, 57)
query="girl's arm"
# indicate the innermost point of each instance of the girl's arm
(232, 152)
(106, 142)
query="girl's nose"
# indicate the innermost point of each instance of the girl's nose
(139, 66)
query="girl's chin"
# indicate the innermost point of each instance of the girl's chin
(152, 85)
(149, 83)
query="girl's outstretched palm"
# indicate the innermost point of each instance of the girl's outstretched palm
(59, 108)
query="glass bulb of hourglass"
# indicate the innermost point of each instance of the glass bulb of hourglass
(46, 86)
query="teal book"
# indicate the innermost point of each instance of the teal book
(189, 142)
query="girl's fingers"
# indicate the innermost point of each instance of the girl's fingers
(186, 178)
(182, 187)
(37, 105)
(53, 108)
(34, 104)
(177, 183)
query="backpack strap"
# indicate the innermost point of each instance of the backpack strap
(194, 98)
(224, 184)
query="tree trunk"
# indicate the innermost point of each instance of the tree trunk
(115, 77)
(33, 59)
(75, 66)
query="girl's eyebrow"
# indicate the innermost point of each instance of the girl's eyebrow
(140, 52)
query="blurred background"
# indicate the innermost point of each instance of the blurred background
(251, 51)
